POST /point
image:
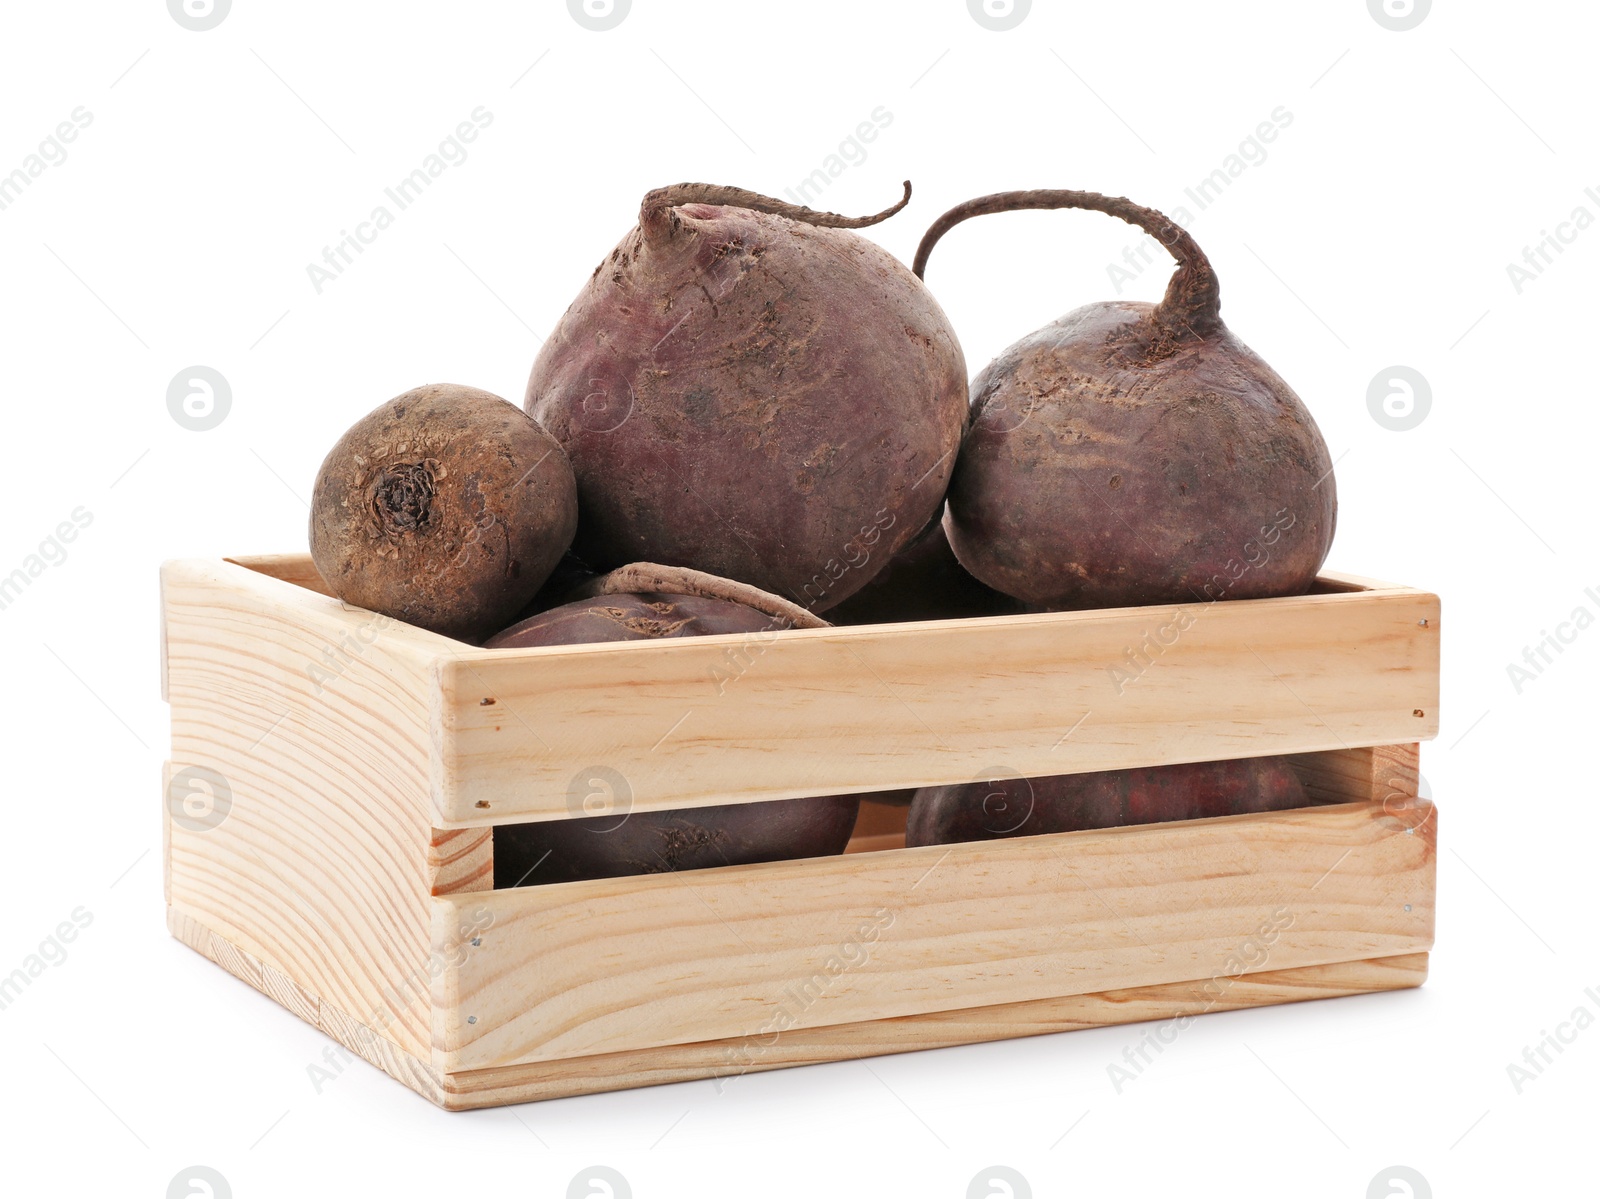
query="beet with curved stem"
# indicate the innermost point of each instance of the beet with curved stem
(746, 387)
(1131, 453)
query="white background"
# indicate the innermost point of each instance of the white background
(1376, 232)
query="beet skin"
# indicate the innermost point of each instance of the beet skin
(555, 851)
(561, 851)
(1135, 453)
(1019, 807)
(747, 388)
(446, 507)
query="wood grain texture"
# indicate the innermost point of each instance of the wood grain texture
(461, 860)
(374, 1047)
(1380, 773)
(632, 963)
(874, 819)
(317, 716)
(349, 879)
(876, 842)
(726, 1061)
(727, 719)
(291, 568)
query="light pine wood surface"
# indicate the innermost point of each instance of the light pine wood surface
(720, 953)
(727, 719)
(350, 875)
(316, 716)
(728, 1060)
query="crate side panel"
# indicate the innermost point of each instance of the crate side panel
(726, 1061)
(700, 721)
(375, 1047)
(316, 718)
(621, 964)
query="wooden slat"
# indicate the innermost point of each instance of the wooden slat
(461, 860)
(1338, 580)
(835, 710)
(726, 1061)
(623, 964)
(291, 568)
(877, 818)
(318, 719)
(1380, 773)
(300, 570)
(876, 842)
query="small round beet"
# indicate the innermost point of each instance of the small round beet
(1023, 807)
(446, 507)
(1132, 453)
(678, 603)
(746, 387)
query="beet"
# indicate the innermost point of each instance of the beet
(562, 851)
(1131, 453)
(745, 387)
(446, 507)
(923, 582)
(1021, 807)
(640, 616)
(680, 603)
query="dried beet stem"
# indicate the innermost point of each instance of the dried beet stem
(650, 577)
(654, 210)
(1193, 301)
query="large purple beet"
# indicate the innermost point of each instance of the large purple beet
(747, 388)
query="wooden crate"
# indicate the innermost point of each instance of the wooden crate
(336, 778)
